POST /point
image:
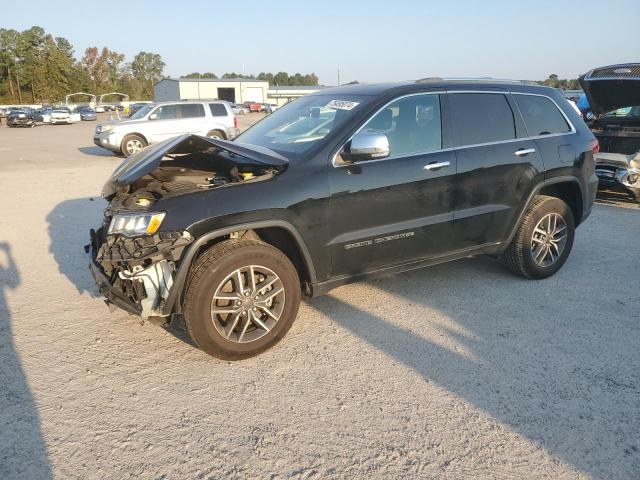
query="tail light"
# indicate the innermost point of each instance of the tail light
(595, 146)
(235, 122)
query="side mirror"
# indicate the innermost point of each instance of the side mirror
(366, 146)
(153, 116)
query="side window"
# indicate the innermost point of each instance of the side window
(541, 116)
(412, 124)
(218, 110)
(190, 110)
(166, 112)
(481, 118)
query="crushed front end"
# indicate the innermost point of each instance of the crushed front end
(136, 274)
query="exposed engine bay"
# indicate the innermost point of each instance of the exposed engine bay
(179, 173)
(135, 271)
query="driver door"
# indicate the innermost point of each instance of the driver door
(398, 209)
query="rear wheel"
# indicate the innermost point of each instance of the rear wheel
(132, 144)
(241, 299)
(543, 240)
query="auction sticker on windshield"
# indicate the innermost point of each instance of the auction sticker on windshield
(342, 105)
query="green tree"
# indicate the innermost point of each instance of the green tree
(147, 68)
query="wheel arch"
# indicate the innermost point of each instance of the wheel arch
(566, 188)
(278, 233)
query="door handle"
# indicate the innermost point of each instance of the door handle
(523, 152)
(436, 165)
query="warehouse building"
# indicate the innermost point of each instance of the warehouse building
(234, 90)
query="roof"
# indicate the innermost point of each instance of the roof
(431, 83)
(217, 80)
(297, 87)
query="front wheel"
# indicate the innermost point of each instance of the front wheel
(241, 299)
(543, 240)
(216, 134)
(132, 144)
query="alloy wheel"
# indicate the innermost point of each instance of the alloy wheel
(549, 239)
(248, 303)
(134, 146)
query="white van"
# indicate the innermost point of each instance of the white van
(156, 122)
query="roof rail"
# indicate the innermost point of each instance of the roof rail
(477, 79)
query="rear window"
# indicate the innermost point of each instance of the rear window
(218, 110)
(481, 118)
(541, 115)
(190, 110)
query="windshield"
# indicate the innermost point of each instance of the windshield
(633, 111)
(142, 112)
(301, 124)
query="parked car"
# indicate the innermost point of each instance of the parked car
(613, 93)
(154, 123)
(239, 109)
(253, 106)
(43, 115)
(60, 115)
(22, 117)
(229, 235)
(87, 113)
(102, 108)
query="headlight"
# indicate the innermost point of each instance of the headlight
(133, 224)
(106, 128)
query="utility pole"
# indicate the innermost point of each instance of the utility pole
(338, 76)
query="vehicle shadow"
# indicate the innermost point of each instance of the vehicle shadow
(97, 152)
(552, 360)
(68, 225)
(23, 452)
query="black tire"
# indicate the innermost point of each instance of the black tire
(126, 147)
(519, 255)
(216, 134)
(210, 271)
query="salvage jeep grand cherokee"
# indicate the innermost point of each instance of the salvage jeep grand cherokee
(337, 186)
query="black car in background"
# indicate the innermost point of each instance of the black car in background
(21, 118)
(87, 114)
(338, 186)
(614, 96)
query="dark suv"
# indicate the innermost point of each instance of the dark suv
(337, 186)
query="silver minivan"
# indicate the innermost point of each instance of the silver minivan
(156, 122)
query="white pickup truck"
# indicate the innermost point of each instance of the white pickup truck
(156, 122)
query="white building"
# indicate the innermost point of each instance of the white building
(285, 94)
(234, 90)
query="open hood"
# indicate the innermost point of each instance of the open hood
(612, 87)
(149, 159)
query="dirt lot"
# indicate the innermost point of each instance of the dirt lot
(458, 371)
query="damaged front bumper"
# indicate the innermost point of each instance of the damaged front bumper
(136, 274)
(619, 172)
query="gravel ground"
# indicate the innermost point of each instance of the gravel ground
(457, 371)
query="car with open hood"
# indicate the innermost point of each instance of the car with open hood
(613, 93)
(338, 186)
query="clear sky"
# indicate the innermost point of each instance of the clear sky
(369, 40)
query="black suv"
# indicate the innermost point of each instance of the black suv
(337, 186)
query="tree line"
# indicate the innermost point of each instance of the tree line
(278, 79)
(36, 67)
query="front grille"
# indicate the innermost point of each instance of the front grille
(623, 71)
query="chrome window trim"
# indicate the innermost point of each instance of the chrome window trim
(337, 164)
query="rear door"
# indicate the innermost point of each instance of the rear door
(192, 119)
(394, 210)
(497, 166)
